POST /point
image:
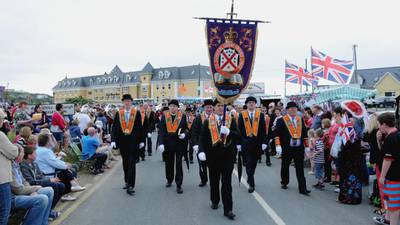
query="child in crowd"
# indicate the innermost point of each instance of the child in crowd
(326, 125)
(319, 158)
(311, 139)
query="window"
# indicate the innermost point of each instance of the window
(390, 94)
(157, 87)
(169, 86)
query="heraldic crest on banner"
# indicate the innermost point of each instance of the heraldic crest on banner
(231, 45)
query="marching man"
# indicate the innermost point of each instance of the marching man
(216, 148)
(253, 138)
(291, 142)
(127, 135)
(196, 128)
(173, 140)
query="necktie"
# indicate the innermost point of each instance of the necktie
(251, 118)
(126, 115)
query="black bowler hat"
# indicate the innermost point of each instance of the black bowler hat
(207, 102)
(291, 105)
(250, 99)
(127, 97)
(174, 102)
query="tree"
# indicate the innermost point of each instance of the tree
(78, 100)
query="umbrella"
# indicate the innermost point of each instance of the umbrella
(186, 157)
(239, 166)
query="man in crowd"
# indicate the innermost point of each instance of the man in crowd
(216, 147)
(253, 138)
(90, 145)
(151, 126)
(128, 135)
(317, 118)
(173, 140)
(22, 117)
(196, 128)
(291, 142)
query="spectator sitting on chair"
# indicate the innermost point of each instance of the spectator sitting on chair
(51, 166)
(90, 144)
(52, 142)
(75, 131)
(23, 136)
(35, 198)
(104, 147)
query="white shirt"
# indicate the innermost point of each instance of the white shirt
(84, 120)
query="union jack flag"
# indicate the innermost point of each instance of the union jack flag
(346, 130)
(298, 75)
(331, 69)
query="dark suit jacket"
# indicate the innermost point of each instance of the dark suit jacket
(151, 122)
(131, 141)
(252, 145)
(219, 153)
(171, 141)
(196, 129)
(283, 133)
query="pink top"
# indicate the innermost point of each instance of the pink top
(332, 134)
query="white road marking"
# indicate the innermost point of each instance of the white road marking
(268, 209)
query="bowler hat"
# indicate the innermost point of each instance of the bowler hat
(174, 102)
(207, 102)
(291, 105)
(250, 99)
(127, 97)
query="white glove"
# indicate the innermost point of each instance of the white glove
(182, 136)
(263, 147)
(141, 145)
(278, 150)
(149, 135)
(239, 148)
(195, 149)
(202, 156)
(307, 149)
(161, 148)
(225, 130)
(113, 145)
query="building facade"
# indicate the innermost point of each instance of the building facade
(149, 83)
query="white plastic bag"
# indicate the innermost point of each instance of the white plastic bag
(336, 146)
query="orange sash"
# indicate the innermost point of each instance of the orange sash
(295, 132)
(127, 128)
(190, 121)
(267, 119)
(213, 126)
(172, 126)
(251, 130)
(143, 115)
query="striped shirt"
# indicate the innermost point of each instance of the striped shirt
(319, 151)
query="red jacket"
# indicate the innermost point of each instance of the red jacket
(58, 120)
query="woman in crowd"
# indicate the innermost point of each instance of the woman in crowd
(8, 152)
(58, 124)
(42, 121)
(22, 137)
(350, 160)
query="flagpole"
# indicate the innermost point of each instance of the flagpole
(306, 69)
(284, 90)
(312, 73)
(355, 63)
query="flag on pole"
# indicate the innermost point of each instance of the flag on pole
(326, 67)
(298, 75)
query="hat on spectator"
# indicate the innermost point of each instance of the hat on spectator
(291, 105)
(207, 102)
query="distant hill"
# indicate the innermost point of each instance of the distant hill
(15, 96)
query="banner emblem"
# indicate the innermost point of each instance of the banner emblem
(231, 45)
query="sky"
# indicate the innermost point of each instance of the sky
(43, 41)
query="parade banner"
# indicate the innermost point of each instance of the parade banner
(232, 47)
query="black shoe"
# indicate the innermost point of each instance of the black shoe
(230, 215)
(259, 161)
(150, 154)
(251, 189)
(191, 162)
(130, 191)
(306, 192)
(284, 186)
(214, 206)
(179, 190)
(202, 184)
(125, 187)
(143, 159)
(100, 171)
(168, 185)
(269, 164)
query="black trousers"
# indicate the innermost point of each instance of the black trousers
(221, 172)
(298, 155)
(190, 152)
(250, 160)
(100, 159)
(328, 166)
(173, 159)
(149, 145)
(58, 188)
(129, 164)
(202, 170)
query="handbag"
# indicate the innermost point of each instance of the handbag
(336, 146)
